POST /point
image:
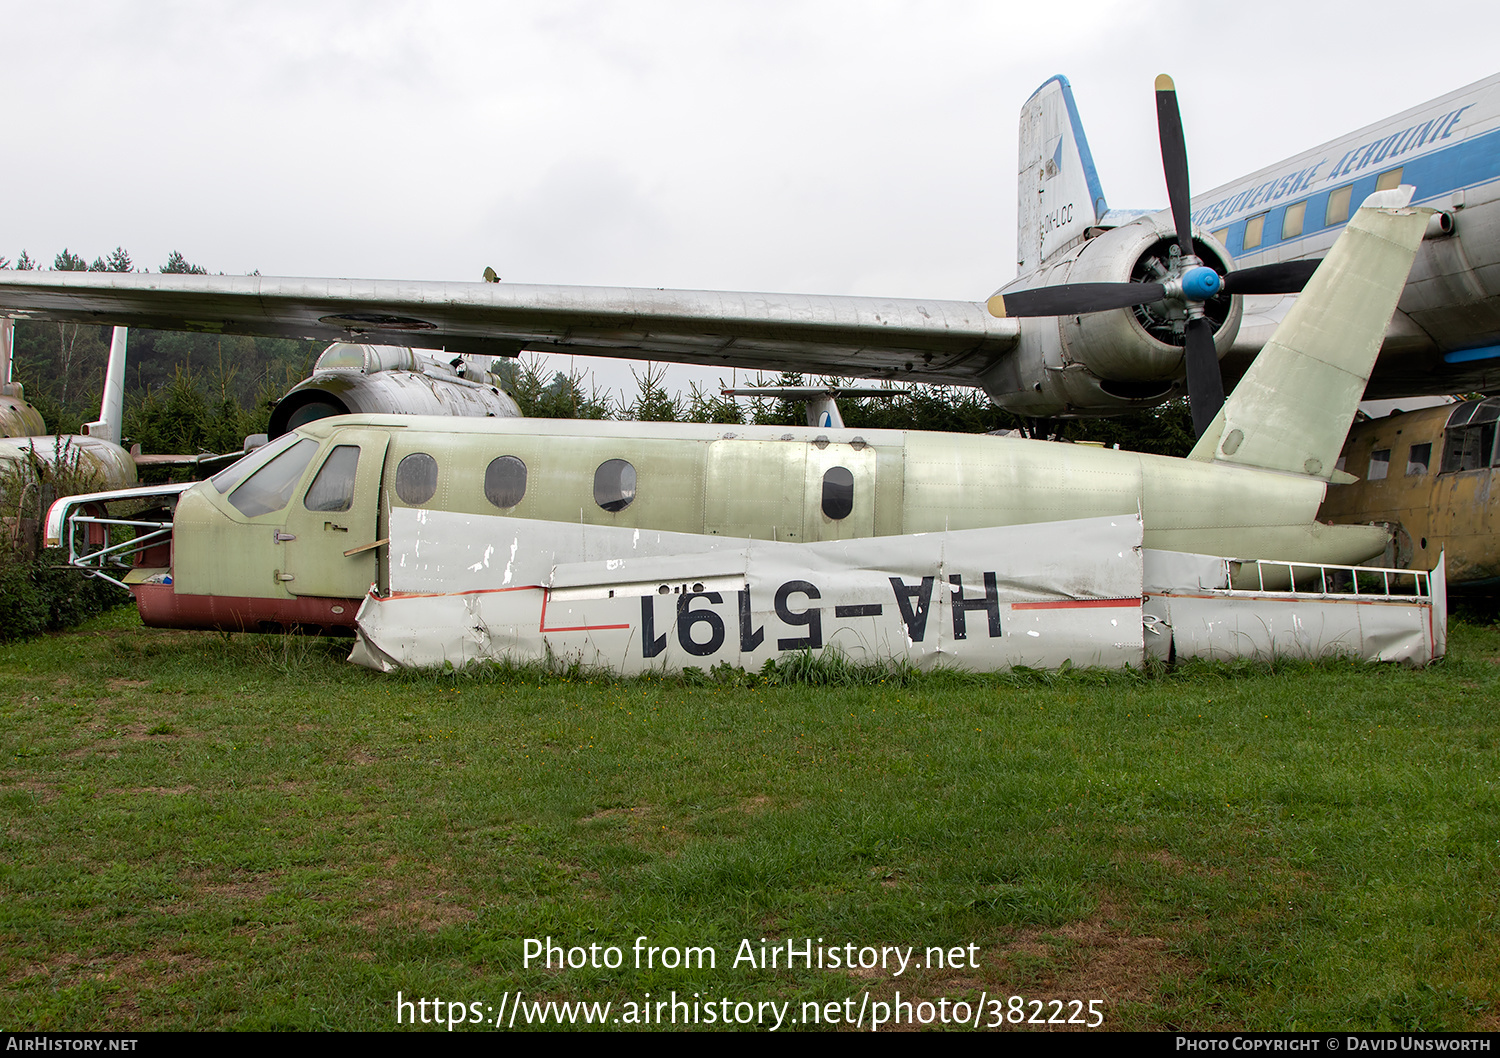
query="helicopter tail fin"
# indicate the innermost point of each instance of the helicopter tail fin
(1293, 408)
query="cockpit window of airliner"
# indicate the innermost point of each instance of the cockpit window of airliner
(1469, 441)
(333, 488)
(236, 472)
(270, 488)
(614, 485)
(416, 479)
(838, 492)
(505, 481)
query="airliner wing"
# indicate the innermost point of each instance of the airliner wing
(928, 341)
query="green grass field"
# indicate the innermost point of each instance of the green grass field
(204, 832)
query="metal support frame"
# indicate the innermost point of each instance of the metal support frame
(66, 520)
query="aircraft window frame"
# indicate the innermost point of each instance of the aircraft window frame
(1294, 220)
(1389, 179)
(615, 483)
(498, 489)
(1255, 230)
(1461, 414)
(271, 487)
(332, 488)
(838, 493)
(1469, 444)
(250, 462)
(1419, 459)
(1380, 465)
(421, 488)
(1337, 209)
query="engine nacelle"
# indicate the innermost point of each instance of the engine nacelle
(351, 379)
(1104, 363)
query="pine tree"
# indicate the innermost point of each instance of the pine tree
(178, 265)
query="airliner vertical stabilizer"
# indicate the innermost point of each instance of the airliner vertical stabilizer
(1058, 191)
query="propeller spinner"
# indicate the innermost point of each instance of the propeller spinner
(1190, 284)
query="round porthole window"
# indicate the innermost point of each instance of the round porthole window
(614, 485)
(416, 479)
(505, 481)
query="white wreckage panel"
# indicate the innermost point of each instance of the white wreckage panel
(1190, 612)
(467, 588)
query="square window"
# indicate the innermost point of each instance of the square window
(1388, 179)
(1419, 460)
(1291, 224)
(1253, 229)
(1338, 205)
(1380, 463)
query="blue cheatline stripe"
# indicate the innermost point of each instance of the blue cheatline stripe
(1463, 356)
(1096, 189)
(1467, 164)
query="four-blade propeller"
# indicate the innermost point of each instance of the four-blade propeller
(1191, 283)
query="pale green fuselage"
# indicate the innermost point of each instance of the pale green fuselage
(761, 482)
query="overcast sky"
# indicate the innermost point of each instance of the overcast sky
(847, 148)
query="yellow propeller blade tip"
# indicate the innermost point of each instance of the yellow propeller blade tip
(1164, 83)
(996, 305)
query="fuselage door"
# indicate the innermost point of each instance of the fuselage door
(840, 491)
(754, 489)
(338, 512)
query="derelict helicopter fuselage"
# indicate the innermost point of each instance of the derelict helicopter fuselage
(334, 482)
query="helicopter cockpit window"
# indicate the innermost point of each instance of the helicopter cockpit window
(614, 485)
(838, 492)
(333, 488)
(505, 481)
(237, 471)
(416, 479)
(270, 488)
(1469, 440)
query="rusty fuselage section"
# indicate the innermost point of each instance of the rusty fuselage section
(1431, 475)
